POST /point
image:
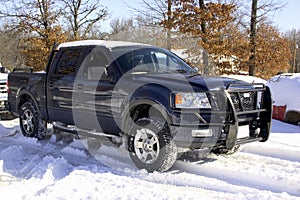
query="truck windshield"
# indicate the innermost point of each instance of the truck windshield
(150, 60)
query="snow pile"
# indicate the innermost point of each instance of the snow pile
(285, 89)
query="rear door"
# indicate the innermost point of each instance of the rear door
(94, 90)
(60, 84)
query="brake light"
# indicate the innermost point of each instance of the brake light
(7, 86)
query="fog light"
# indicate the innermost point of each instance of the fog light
(202, 133)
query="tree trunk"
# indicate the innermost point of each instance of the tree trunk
(253, 38)
(203, 23)
(294, 69)
(204, 39)
(169, 15)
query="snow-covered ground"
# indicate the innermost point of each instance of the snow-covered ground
(50, 169)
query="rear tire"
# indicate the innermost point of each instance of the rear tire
(31, 124)
(151, 146)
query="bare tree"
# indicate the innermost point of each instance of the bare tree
(294, 37)
(157, 11)
(38, 16)
(10, 43)
(133, 30)
(82, 15)
(260, 10)
(37, 21)
(253, 38)
(120, 25)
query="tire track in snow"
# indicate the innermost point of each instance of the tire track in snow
(75, 153)
(284, 154)
(238, 178)
(261, 168)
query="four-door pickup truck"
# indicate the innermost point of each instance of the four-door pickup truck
(139, 96)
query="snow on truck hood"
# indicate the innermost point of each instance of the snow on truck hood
(182, 82)
(248, 79)
(106, 43)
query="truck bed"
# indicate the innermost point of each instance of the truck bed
(21, 82)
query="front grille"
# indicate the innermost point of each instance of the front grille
(244, 101)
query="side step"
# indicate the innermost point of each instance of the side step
(78, 131)
(248, 140)
(63, 128)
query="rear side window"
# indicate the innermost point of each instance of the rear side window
(69, 60)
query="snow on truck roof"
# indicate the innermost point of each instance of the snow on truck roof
(105, 43)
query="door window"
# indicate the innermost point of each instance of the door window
(97, 66)
(69, 61)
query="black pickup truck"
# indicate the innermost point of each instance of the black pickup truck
(139, 96)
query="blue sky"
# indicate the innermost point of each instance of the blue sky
(285, 19)
(289, 16)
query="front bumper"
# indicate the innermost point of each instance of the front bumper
(221, 124)
(184, 138)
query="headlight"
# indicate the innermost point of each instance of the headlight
(191, 100)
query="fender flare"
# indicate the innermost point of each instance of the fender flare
(125, 124)
(21, 92)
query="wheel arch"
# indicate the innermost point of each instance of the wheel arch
(141, 108)
(25, 96)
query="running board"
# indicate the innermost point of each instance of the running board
(78, 131)
(247, 140)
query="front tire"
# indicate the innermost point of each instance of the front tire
(151, 146)
(31, 124)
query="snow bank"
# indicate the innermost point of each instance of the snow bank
(285, 89)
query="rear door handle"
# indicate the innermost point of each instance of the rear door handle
(51, 84)
(79, 87)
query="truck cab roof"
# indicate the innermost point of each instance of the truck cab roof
(104, 43)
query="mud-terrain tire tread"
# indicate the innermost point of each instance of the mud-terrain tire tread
(39, 126)
(168, 149)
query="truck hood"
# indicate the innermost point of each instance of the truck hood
(180, 82)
